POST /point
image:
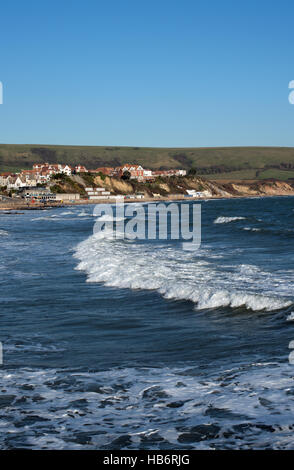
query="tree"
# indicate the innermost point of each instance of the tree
(192, 172)
(126, 175)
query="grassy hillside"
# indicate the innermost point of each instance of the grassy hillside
(224, 162)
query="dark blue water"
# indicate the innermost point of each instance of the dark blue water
(136, 344)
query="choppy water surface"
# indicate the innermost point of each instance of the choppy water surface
(114, 344)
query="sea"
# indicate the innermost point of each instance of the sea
(138, 344)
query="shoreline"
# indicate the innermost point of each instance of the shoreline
(11, 206)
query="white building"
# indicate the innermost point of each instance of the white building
(4, 179)
(81, 169)
(97, 193)
(67, 197)
(194, 193)
(16, 182)
(66, 170)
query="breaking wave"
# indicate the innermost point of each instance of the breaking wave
(226, 220)
(67, 213)
(252, 229)
(177, 275)
(107, 218)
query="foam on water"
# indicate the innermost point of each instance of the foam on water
(177, 274)
(217, 381)
(252, 229)
(107, 218)
(226, 220)
(247, 406)
(67, 213)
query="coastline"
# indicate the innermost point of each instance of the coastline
(12, 206)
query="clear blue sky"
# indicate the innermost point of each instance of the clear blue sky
(147, 72)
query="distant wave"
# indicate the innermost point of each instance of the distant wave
(175, 275)
(226, 220)
(107, 218)
(3, 233)
(67, 213)
(49, 217)
(252, 229)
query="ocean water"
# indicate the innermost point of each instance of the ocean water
(119, 344)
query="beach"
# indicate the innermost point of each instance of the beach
(24, 205)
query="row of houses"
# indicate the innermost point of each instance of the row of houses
(138, 172)
(24, 179)
(41, 173)
(135, 171)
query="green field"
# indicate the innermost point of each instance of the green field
(271, 173)
(276, 174)
(214, 163)
(233, 175)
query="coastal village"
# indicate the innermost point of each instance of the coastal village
(39, 183)
(41, 173)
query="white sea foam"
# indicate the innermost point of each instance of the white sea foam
(3, 233)
(67, 213)
(177, 275)
(290, 317)
(226, 220)
(252, 229)
(107, 218)
(141, 403)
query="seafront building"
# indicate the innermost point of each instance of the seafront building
(45, 195)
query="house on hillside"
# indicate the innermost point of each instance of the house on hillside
(4, 178)
(136, 171)
(66, 170)
(16, 182)
(148, 174)
(53, 168)
(168, 173)
(39, 166)
(31, 177)
(44, 176)
(80, 169)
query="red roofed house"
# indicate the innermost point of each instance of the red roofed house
(136, 171)
(81, 169)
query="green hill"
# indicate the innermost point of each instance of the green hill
(221, 162)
